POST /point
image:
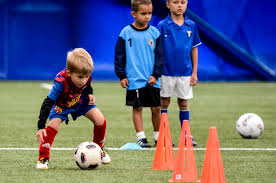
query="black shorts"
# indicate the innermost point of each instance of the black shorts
(148, 96)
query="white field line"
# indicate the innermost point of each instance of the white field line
(46, 86)
(145, 149)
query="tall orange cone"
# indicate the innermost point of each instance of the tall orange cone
(212, 170)
(164, 155)
(185, 165)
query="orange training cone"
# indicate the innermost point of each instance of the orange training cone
(164, 155)
(185, 165)
(212, 170)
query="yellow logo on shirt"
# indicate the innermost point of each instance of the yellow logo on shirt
(58, 110)
(73, 101)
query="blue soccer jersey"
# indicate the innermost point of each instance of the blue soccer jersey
(178, 42)
(138, 55)
(64, 93)
(65, 98)
(68, 98)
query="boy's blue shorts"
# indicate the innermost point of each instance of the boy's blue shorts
(62, 113)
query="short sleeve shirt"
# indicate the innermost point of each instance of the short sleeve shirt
(178, 42)
(140, 58)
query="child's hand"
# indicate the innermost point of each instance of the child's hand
(92, 99)
(152, 80)
(124, 83)
(39, 135)
(194, 79)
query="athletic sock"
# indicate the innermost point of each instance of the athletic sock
(140, 135)
(44, 149)
(156, 134)
(99, 134)
(164, 110)
(184, 115)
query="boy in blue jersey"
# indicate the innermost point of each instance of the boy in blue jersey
(138, 64)
(71, 94)
(180, 40)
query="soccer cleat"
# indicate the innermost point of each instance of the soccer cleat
(144, 143)
(155, 143)
(106, 159)
(194, 142)
(42, 164)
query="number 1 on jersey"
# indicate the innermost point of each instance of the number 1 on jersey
(130, 42)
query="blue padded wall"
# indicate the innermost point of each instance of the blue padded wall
(39, 35)
(35, 36)
(3, 40)
(246, 30)
(99, 27)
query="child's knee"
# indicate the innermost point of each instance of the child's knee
(165, 102)
(55, 123)
(98, 120)
(183, 106)
(155, 110)
(137, 109)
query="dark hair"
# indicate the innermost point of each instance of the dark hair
(136, 3)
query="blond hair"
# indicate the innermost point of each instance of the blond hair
(79, 61)
(136, 3)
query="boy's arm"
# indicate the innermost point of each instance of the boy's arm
(120, 58)
(48, 103)
(194, 57)
(44, 112)
(88, 90)
(159, 57)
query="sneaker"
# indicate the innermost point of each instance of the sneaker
(144, 143)
(106, 159)
(155, 143)
(194, 142)
(42, 164)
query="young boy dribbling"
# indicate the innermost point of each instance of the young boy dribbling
(71, 94)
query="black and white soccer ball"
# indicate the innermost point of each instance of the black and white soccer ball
(88, 155)
(250, 126)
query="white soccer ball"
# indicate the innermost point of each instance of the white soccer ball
(250, 126)
(88, 155)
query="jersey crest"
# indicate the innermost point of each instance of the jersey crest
(151, 43)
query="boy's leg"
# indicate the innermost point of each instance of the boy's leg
(51, 131)
(168, 84)
(137, 118)
(184, 92)
(97, 118)
(155, 118)
(165, 102)
(44, 149)
(184, 113)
